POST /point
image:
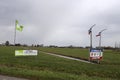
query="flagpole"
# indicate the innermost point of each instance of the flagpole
(15, 34)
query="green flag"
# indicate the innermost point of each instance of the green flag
(19, 27)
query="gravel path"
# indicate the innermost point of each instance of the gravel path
(10, 78)
(68, 57)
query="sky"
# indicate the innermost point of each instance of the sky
(60, 22)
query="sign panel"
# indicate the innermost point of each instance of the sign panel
(96, 54)
(26, 52)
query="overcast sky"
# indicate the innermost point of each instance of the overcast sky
(60, 22)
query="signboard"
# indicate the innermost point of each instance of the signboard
(96, 54)
(26, 52)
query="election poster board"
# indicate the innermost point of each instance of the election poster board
(26, 52)
(96, 54)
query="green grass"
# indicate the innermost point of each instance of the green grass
(47, 67)
(72, 52)
(109, 57)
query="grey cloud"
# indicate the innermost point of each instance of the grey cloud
(60, 22)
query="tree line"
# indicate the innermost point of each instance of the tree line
(7, 43)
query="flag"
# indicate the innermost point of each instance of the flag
(89, 31)
(19, 27)
(99, 34)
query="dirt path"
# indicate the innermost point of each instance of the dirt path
(10, 78)
(68, 57)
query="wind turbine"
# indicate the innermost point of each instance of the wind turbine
(100, 34)
(90, 33)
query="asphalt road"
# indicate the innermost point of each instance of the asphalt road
(10, 78)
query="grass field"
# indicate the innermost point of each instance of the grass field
(47, 67)
(109, 56)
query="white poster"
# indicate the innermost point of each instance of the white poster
(26, 52)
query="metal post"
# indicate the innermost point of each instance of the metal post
(91, 35)
(91, 40)
(90, 32)
(100, 42)
(98, 61)
(119, 46)
(100, 34)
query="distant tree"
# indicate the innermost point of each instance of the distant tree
(108, 47)
(87, 47)
(41, 45)
(18, 44)
(7, 43)
(32, 45)
(71, 46)
(53, 46)
(25, 45)
(37, 45)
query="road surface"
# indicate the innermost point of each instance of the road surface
(10, 78)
